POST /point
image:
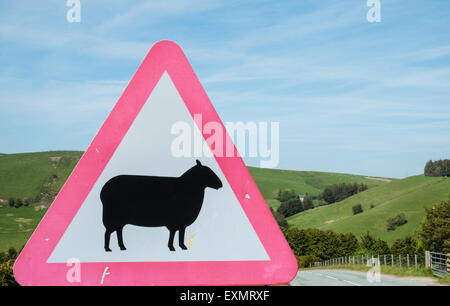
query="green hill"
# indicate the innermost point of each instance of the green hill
(39, 176)
(36, 176)
(269, 180)
(409, 196)
(26, 175)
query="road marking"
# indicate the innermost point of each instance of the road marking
(331, 277)
(349, 282)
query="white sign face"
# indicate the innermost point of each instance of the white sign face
(221, 231)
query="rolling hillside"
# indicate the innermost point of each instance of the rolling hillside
(27, 175)
(37, 176)
(269, 180)
(41, 175)
(409, 195)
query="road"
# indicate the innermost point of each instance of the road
(351, 278)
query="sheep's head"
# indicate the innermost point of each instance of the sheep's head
(207, 177)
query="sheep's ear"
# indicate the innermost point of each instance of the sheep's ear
(198, 163)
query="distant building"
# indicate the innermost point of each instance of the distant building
(301, 197)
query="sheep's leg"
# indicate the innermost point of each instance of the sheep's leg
(120, 239)
(181, 238)
(172, 234)
(107, 236)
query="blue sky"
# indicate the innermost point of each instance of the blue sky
(351, 96)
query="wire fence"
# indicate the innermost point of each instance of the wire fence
(415, 261)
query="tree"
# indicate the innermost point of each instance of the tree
(307, 202)
(357, 209)
(407, 245)
(438, 168)
(290, 207)
(327, 195)
(367, 241)
(338, 192)
(281, 220)
(349, 244)
(380, 247)
(287, 195)
(434, 232)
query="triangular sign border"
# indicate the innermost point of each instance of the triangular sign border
(31, 267)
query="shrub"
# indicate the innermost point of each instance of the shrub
(321, 244)
(367, 241)
(357, 209)
(306, 261)
(374, 246)
(372, 206)
(11, 202)
(393, 223)
(19, 203)
(407, 245)
(6, 274)
(12, 253)
(27, 202)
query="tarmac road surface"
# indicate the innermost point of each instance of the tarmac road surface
(352, 278)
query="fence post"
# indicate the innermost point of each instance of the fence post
(415, 260)
(427, 259)
(407, 259)
(448, 263)
(384, 259)
(400, 259)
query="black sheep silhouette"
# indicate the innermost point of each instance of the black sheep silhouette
(153, 201)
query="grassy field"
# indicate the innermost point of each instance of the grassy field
(408, 196)
(269, 180)
(24, 175)
(29, 175)
(17, 225)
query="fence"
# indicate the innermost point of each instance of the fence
(439, 263)
(406, 260)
